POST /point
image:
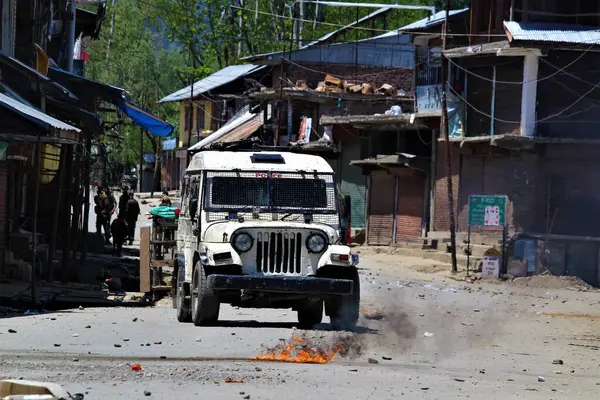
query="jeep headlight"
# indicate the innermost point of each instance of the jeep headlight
(316, 243)
(242, 242)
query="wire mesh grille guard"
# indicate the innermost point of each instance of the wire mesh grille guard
(270, 192)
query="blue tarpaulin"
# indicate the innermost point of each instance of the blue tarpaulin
(145, 119)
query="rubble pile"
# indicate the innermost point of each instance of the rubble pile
(334, 84)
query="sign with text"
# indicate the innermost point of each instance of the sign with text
(487, 210)
(169, 144)
(429, 98)
(149, 158)
(490, 267)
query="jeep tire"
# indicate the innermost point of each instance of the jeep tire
(182, 304)
(310, 315)
(344, 310)
(204, 304)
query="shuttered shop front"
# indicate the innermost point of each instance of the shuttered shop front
(411, 204)
(381, 209)
(353, 182)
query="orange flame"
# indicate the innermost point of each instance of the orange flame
(299, 350)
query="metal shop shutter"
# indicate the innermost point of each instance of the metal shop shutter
(411, 203)
(353, 182)
(381, 209)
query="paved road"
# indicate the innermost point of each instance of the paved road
(487, 343)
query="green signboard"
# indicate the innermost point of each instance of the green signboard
(3, 151)
(487, 210)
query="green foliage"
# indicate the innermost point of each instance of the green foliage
(140, 62)
(158, 46)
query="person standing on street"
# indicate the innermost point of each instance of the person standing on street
(123, 201)
(108, 206)
(132, 212)
(98, 204)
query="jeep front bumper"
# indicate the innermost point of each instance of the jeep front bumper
(281, 284)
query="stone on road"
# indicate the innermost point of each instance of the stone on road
(514, 342)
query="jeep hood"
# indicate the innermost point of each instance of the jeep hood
(219, 232)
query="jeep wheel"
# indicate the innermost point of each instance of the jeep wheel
(344, 310)
(310, 315)
(205, 305)
(182, 305)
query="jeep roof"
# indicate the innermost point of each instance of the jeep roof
(258, 160)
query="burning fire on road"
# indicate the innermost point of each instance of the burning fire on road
(300, 349)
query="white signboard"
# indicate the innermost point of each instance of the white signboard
(490, 267)
(492, 216)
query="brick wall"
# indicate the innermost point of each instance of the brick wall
(312, 73)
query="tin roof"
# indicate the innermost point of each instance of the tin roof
(366, 18)
(551, 32)
(36, 116)
(428, 22)
(218, 79)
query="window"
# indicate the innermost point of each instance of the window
(200, 110)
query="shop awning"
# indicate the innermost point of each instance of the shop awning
(145, 119)
(240, 127)
(400, 160)
(52, 129)
(85, 87)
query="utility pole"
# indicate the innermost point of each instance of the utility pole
(71, 40)
(446, 130)
(301, 23)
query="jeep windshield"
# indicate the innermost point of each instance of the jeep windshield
(270, 192)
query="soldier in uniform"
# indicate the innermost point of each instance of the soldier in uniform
(132, 212)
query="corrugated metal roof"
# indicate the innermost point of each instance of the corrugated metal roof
(219, 78)
(240, 127)
(552, 32)
(344, 28)
(35, 115)
(433, 20)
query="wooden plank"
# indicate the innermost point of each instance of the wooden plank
(145, 259)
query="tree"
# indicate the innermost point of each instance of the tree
(134, 55)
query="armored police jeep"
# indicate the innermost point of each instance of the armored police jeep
(262, 229)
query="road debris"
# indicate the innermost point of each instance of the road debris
(136, 367)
